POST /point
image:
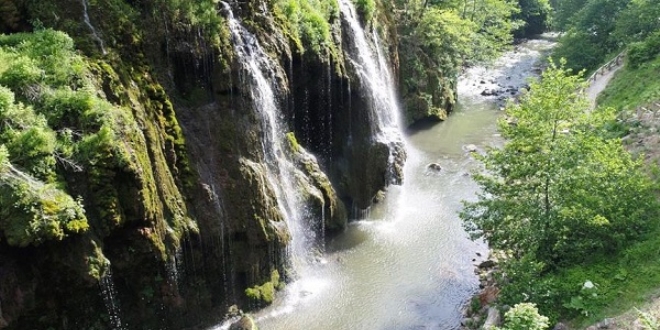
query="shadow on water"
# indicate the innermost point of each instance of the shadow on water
(422, 125)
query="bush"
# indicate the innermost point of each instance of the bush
(644, 51)
(366, 8)
(524, 316)
(307, 23)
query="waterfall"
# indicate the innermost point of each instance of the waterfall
(91, 27)
(373, 71)
(259, 74)
(109, 295)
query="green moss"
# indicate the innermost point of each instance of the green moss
(293, 142)
(308, 24)
(265, 293)
(366, 9)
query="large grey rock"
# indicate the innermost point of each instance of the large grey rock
(245, 323)
(493, 319)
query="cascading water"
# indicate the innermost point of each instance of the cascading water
(91, 27)
(109, 295)
(409, 265)
(375, 78)
(258, 72)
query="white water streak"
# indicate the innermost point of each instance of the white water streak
(91, 27)
(109, 295)
(375, 76)
(373, 71)
(259, 73)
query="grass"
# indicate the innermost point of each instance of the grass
(630, 279)
(625, 281)
(631, 88)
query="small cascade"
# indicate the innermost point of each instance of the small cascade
(91, 27)
(226, 256)
(375, 77)
(109, 295)
(175, 268)
(259, 72)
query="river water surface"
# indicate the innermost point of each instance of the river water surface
(409, 264)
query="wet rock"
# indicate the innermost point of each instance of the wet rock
(487, 264)
(234, 311)
(470, 148)
(560, 326)
(493, 318)
(380, 196)
(488, 295)
(245, 323)
(434, 167)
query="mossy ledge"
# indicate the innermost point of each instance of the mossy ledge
(158, 168)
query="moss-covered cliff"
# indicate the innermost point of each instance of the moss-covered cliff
(132, 179)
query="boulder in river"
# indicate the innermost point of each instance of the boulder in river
(244, 323)
(434, 167)
(470, 148)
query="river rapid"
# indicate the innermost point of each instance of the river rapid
(409, 264)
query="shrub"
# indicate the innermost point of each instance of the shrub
(644, 51)
(366, 8)
(524, 316)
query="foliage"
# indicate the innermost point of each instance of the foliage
(51, 123)
(536, 17)
(9, 15)
(441, 36)
(637, 21)
(589, 38)
(644, 51)
(366, 8)
(307, 23)
(33, 212)
(4, 159)
(633, 87)
(524, 316)
(557, 193)
(563, 11)
(598, 28)
(265, 293)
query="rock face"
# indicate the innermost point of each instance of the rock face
(190, 220)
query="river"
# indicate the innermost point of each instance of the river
(409, 264)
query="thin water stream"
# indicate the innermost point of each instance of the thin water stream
(409, 264)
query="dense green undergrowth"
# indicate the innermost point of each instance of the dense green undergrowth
(633, 86)
(570, 208)
(308, 24)
(51, 123)
(621, 281)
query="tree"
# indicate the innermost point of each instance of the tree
(590, 32)
(438, 38)
(559, 190)
(536, 17)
